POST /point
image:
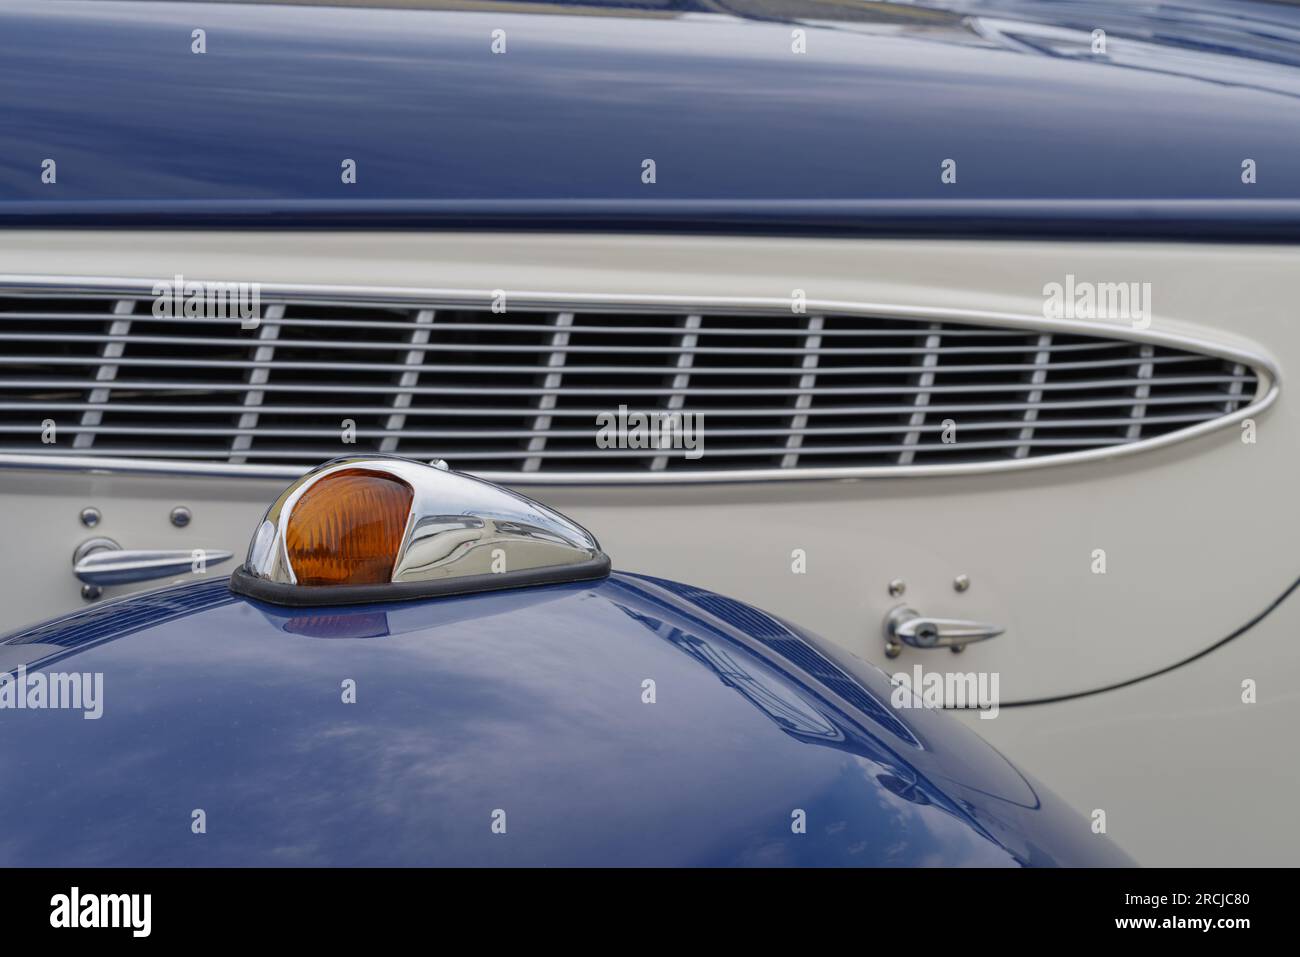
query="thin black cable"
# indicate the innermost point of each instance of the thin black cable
(1186, 661)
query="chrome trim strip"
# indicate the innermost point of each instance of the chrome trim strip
(1266, 392)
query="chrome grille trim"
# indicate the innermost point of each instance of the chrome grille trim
(1042, 359)
(925, 387)
(774, 409)
(682, 379)
(414, 362)
(265, 352)
(546, 400)
(808, 382)
(114, 344)
(1142, 391)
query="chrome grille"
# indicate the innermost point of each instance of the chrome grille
(517, 395)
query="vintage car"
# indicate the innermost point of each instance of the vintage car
(942, 324)
(416, 667)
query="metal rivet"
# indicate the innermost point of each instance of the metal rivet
(893, 649)
(897, 587)
(90, 517)
(957, 649)
(181, 516)
(961, 582)
(91, 592)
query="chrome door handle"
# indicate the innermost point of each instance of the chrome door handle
(906, 625)
(102, 561)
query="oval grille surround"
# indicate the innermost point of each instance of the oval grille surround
(515, 396)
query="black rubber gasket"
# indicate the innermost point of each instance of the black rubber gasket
(315, 596)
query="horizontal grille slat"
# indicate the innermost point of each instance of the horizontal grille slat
(630, 390)
(494, 327)
(967, 369)
(461, 410)
(518, 394)
(672, 351)
(323, 452)
(559, 433)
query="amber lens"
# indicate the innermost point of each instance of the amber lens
(346, 529)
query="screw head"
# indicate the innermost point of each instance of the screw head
(90, 517)
(91, 592)
(961, 582)
(957, 649)
(181, 516)
(897, 587)
(893, 648)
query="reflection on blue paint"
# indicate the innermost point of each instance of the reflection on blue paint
(745, 135)
(528, 701)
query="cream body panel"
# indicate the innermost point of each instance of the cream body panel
(1198, 535)
(1188, 773)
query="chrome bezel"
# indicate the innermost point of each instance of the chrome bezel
(462, 535)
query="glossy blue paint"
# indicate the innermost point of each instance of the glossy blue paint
(1144, 141)
(529, 701)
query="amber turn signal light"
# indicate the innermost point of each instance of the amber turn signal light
(347, 529)
(379, 528)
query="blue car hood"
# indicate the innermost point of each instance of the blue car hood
(1051, 134)
(525, 707)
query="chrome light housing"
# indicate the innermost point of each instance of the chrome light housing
(459, 534)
